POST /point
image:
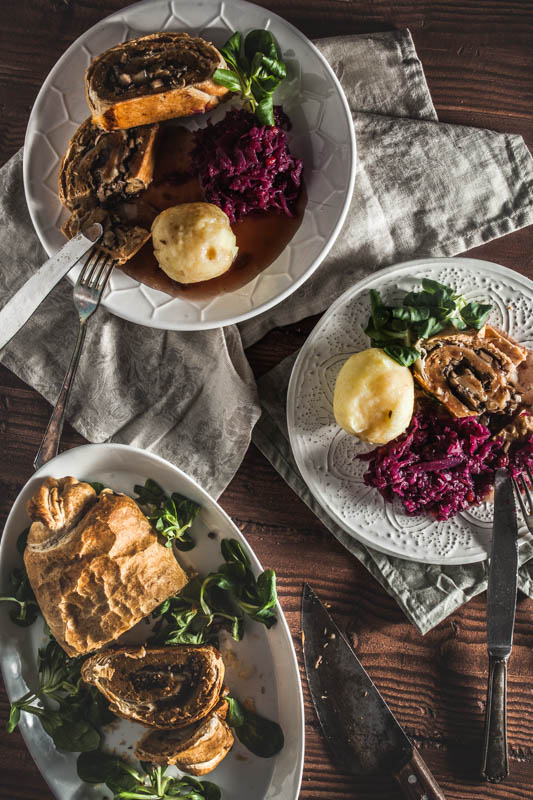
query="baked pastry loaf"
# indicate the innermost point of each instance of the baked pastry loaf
(156, 77)
(107, 166)
(94, 563)
(196, 749)
(162, 687)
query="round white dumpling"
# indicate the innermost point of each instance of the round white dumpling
(374, 396)
(193, 242)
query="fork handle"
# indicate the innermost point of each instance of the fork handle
(52, 436)
(495, 765)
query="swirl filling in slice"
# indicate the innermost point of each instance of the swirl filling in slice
(472, 372)
(163, 687)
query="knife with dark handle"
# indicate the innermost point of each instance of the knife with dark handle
(359, 727)
(29, 297)
(501, 606)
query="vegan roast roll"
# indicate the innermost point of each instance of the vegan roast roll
(94, 563)
(156, 77)
(107, 166)
(471, 372)
(162, 687)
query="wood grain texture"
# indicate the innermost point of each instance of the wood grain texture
(478, 59)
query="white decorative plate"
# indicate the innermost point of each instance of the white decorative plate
(322, 136)
(327, 456)
(262, 666)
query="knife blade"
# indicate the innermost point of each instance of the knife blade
(501, 606)
(29, 297)
(359, 727)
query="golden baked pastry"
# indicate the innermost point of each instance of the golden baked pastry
(196, 749)
(471, 372)
(122, 237)
(107, 166)
(162, 687)
(152, 78)
(94, 563)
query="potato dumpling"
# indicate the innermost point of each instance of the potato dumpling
(193, 242)
(374, 396)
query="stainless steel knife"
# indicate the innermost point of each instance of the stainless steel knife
(501, 606)
(29, 297)
(359, 727)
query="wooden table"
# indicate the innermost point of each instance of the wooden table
(478, 58)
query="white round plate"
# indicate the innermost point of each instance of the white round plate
(262, 666)
(322, 136)
(327, 456)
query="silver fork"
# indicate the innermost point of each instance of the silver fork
(87, 294)
(527, 504)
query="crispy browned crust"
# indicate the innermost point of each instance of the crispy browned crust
(196, 749)
(162, 687)
(85, 156)
(94, 563)
(111, 113)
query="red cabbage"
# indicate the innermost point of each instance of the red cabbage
(246, 167)
(443, 465)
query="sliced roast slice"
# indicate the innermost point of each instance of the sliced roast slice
(152, 78)
(163, 687)
(196, 749)
(471, 372)
(122, 237)
(107, 166)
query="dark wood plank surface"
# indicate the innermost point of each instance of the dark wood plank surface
(478, 58)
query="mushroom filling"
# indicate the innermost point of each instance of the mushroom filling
(107, 163)
(166, 685)
(161, 66)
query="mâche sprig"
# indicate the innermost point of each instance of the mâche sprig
(255, 71)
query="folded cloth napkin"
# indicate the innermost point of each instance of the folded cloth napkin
(188, 397)
(422, 188)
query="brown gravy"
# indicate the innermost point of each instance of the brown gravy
(260, 238)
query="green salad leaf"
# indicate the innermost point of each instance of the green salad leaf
(255, 70)
(259, 735)
(78, 710)
(149, 783)
(398, 330)
(220, 601)
(171, 516)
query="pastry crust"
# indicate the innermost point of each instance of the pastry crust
(121, 239)
(107, 166)
(186, 65)
(94, 564)
(162, 687)
(197, 749)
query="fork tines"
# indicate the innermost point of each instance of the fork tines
(524, 494)
(96, 269)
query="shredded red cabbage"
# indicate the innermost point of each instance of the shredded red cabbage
(443, 465)
(246, 167)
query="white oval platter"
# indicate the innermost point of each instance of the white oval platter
(327, 456)
(262, 666)
(322, 136)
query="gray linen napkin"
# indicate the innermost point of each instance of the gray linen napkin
(422, 189)
(188, 397)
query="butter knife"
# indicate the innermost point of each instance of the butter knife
(501, 605)
(29, 297)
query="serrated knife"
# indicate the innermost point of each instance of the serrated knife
(29, 297)
(358, 725)
(501, 606)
